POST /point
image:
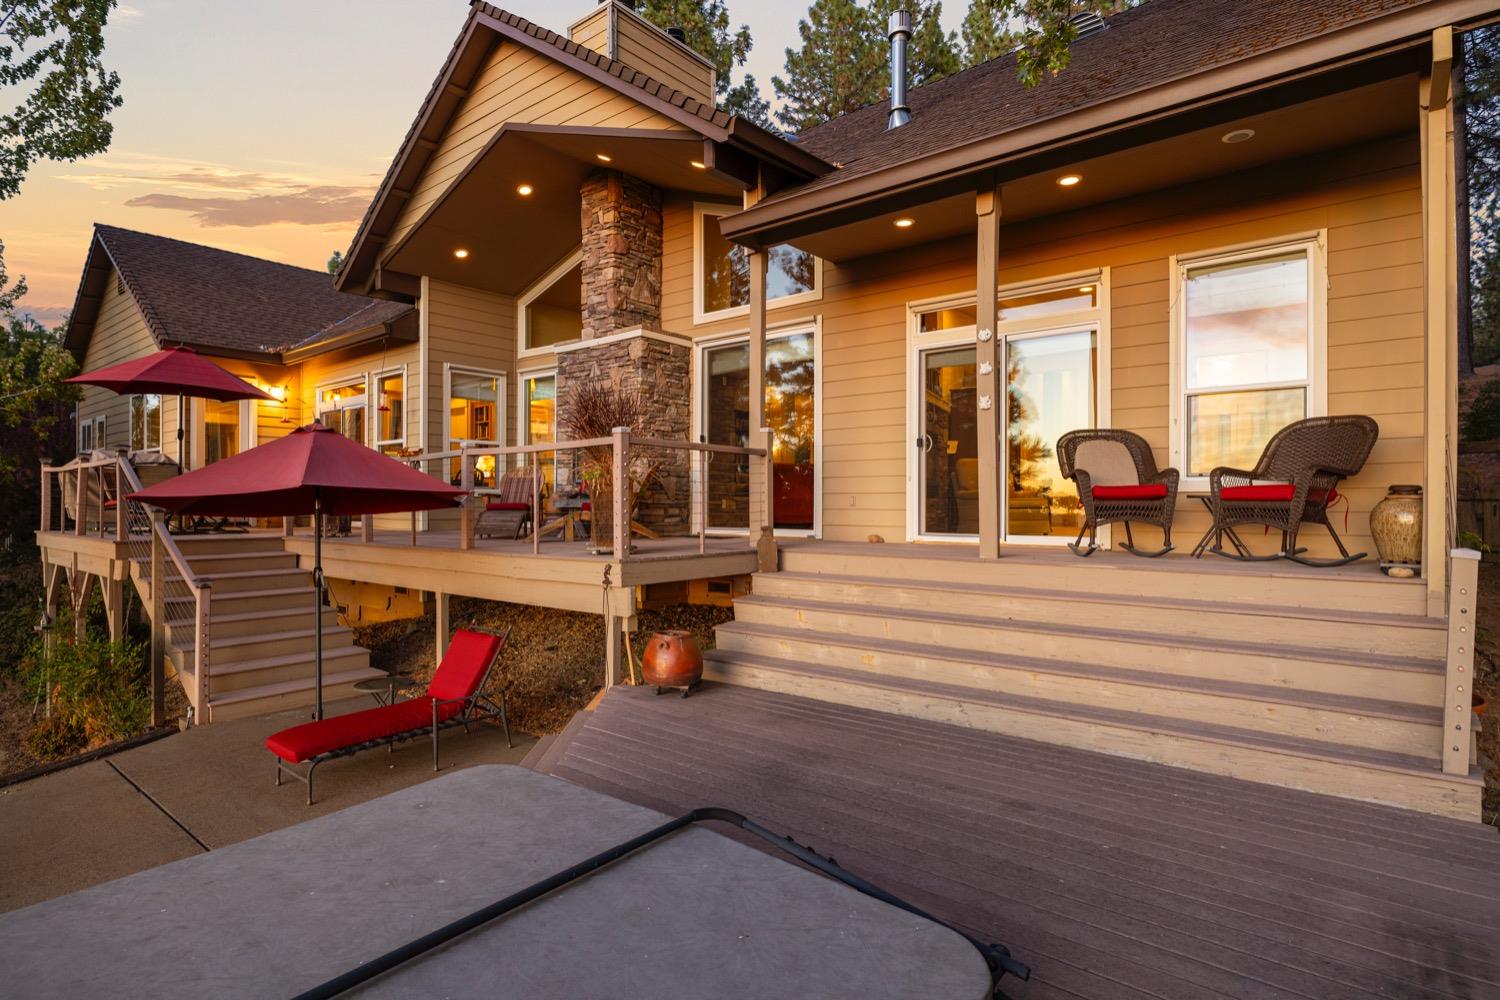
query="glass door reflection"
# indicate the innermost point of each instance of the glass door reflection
(948, 443)
(1050, 382)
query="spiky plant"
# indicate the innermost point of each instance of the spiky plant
(593, 409)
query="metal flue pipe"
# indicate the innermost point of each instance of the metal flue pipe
(900, 33)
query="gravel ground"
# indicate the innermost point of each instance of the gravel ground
(554, 662)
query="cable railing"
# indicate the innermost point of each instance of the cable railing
(624, 485)
(91, 497)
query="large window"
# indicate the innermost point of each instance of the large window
(539, 417)
(550, 312)
(342, 408)
(221, 429)
(475, 417)
(145, 422)
(1248, 345)
(390, 411)
(791, 413)
(722, 271)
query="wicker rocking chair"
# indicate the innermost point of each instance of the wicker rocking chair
(1294, 483)
(1117, 481)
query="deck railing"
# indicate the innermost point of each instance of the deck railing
(1458, 687)
(687, 461)
(160, 570)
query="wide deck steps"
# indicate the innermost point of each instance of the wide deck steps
(1275, 661)
(1412, 781)
(254, 622)
(243, 601)
(226, 651)
(239, 704)
(257, 579)
(1167, 618)
(1364, 722)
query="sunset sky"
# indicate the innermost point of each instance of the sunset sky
(263, 126)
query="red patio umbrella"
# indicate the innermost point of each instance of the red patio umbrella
(312, 470)
(178, 371)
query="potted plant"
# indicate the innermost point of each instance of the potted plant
(594, 410)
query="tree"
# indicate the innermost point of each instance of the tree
(706, 25)
(1040, 32)
(55, 48)
(1477, 92)
(35, 425)
(335, 262)
(843, 62)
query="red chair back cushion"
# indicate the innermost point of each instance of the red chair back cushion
(463, 666)
(1149, 491)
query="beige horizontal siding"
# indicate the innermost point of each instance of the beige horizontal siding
(1368, 199)
(120, 334)
(518, 85)
(643, 47)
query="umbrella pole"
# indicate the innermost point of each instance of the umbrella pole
(182, 465)
(318, 603)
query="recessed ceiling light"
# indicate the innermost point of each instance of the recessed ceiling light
(461, 253)
(603, 157)
(1238, 135)
(524, 190)
(697, 164)
(905, 223)
(1068, 180)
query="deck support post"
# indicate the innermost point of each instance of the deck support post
(443, 626)
(1440, 251)
(158, 624)
(114, 605)
(1458, 686)
(988, 378)
(614, 650)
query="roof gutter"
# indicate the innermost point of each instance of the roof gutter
(375, 331)
(1410, 27)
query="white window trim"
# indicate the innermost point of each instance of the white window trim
(1096, 319)
(1315, 245)
(198, 420)
(375, 378)
(161, 422)
(96, 428)
(523, 418)
(532, 293)
(813, 325)
(363, 399)
(718, 210)
(501, 379)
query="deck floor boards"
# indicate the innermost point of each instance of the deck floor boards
(1111, 877)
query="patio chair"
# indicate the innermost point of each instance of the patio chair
(1117, 481)
(508, 513)
(455, 697)
(1294, 483)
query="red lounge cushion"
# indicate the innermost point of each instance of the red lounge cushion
(1148, 491)
(310, 739)
(506, 505)
(464, 664)
(587, 507)
(1275, 492)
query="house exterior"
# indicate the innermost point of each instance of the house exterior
(1207, 227)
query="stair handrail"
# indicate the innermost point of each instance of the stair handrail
(151, 547)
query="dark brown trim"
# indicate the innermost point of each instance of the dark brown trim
(775, 149)
(394, 331)
(1405, 32)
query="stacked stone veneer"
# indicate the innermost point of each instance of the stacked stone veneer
(621, 310)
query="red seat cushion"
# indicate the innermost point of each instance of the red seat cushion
(310, 739)
(506, 505)
(1147, 491)
(1274, 492)
(464, 664)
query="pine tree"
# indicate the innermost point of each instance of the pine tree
(706, 25)
(843, 62)
(1038, 31)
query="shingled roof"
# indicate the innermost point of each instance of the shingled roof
(217, 300)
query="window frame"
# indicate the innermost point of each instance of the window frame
(536, 290)
(791, 328)
(1315, 246)
(703, 209)
(364, 399)
(501, 379)
(523, 415)
(374, 427)
(161, 426)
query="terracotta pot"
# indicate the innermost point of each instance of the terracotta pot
(1396, 523)
(672, 659)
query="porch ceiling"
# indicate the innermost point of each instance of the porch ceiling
(1282, 134)
(511, 239)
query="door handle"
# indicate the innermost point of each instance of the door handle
(924, 443)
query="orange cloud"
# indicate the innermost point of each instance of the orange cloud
(324, 205)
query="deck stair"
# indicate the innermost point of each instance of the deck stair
(1328, 683)
(261, 630)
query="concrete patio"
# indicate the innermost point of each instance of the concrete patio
(193, 792)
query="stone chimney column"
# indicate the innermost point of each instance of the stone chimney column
(621, 254)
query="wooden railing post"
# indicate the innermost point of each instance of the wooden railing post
(203, 598)
(620, 499)
(367, 528)
(121, 534)
(288, 526)
(536, 502)
(1458, 687)
(79, 514)
(466, 512)
(158, 622)
(46, 498)
(704, 458)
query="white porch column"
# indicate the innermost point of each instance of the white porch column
(990, 384)
(1439, 236)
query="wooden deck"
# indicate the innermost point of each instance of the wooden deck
(1112, 878)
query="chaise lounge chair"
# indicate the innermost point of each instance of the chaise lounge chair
(509, 514)
(455, 697)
